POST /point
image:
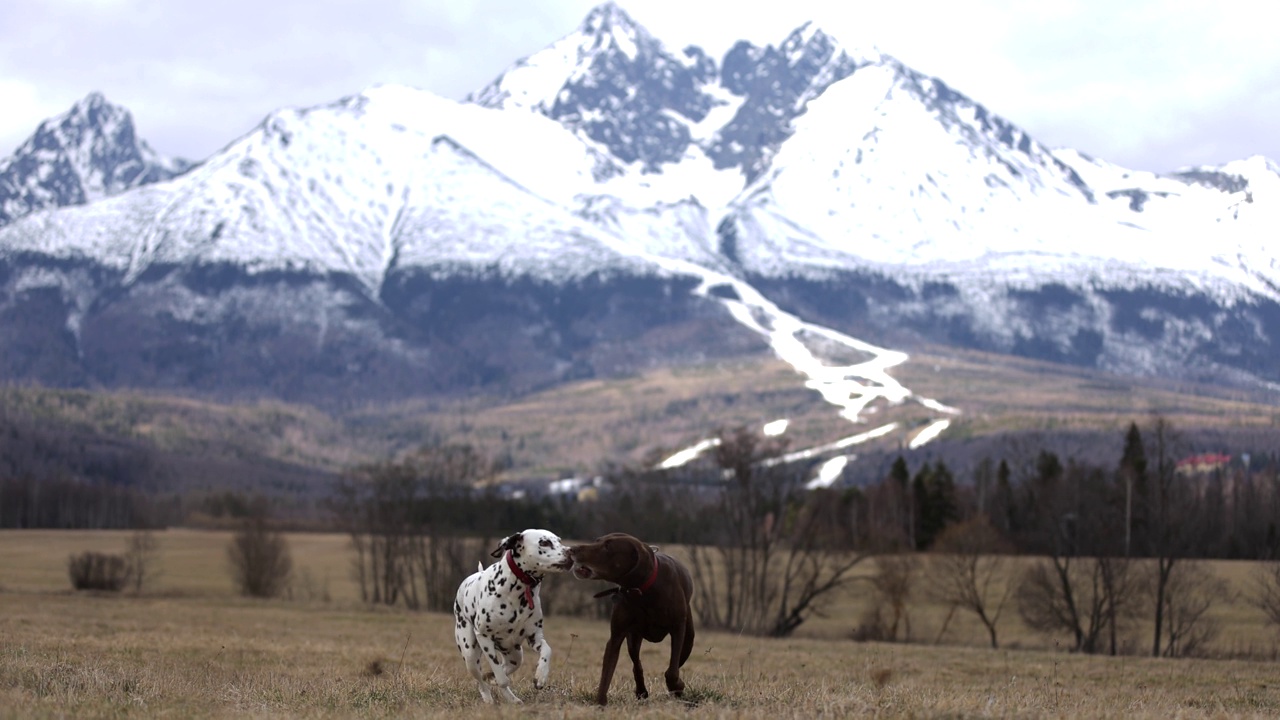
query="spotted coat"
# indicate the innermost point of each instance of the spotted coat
(497, 612)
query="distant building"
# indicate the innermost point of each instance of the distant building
(1202, 464)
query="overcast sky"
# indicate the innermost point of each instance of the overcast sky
(1149, 84)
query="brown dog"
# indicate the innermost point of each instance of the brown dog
(650, 602)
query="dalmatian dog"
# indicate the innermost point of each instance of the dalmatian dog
(497, 610)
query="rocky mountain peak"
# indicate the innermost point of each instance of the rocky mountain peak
(775, 84)
(87, 153)
(611, 25)
(614, 84)
(93, 109)
(619, 87)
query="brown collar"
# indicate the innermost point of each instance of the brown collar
(529, 582)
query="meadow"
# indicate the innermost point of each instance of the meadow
(189, 647)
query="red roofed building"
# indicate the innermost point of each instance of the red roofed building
(1202, 464)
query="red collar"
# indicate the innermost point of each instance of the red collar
(623, 592)
(524, 577)
(653, 576)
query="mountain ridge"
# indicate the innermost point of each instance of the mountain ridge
(608, 205)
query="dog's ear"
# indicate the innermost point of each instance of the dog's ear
(511, 542)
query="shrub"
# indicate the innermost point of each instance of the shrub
(98, 571)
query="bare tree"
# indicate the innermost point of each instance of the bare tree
(259, 558)
(142, 557)
(439, 556)
(1189, 595)
(1081, 589)
(968, 570)
(892, 583)
(814, 563)
(375, 504)
(894, 518)
(1122, 589)
(1173, 518)
(403, 524)
(1265, 591)
(1065, 594)
(774, 558)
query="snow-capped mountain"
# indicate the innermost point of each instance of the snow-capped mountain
(348, 188)
(610, 202)
(657, 111)
(374, 226)
(90, 152)
(883, 200)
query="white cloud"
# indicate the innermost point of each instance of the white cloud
(21, 101)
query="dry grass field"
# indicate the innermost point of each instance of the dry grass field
(188, 647)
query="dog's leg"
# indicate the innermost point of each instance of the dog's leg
(543, 648)
(465, 638)
(476, 665)
(513, 657)
(679, 651)
(474, 659)
(498, 663)
(688, 637)
(633, 649)
(611, 650)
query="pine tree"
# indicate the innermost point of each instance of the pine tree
(1133, 477)
(1004, 513)
(920, 502)
(942, 498)
(934, 489)
(900, 479)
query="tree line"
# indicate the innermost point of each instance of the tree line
(56, 473)
(1110, 544)
(54, 477)
(1113, 538)
(1142, 504)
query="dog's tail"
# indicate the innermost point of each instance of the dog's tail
(479, 566)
